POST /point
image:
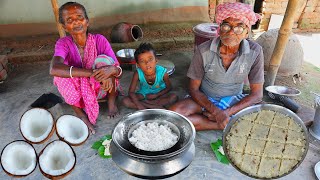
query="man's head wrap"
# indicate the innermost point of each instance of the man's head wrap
(237, 10)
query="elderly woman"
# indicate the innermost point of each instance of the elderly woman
(219, 68)
(84, 66)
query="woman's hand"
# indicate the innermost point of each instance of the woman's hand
(107, 85)
(104, 73)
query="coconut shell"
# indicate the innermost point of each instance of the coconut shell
(20, 176)
(49, 135)
(62, 139)
(62, 175)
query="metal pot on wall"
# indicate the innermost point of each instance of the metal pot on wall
(125, 32)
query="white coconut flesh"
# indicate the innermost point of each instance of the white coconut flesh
(19, 158)
(57, 159)
(72, 129)
(36, 124)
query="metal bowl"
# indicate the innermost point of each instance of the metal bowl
(126, 55)
(168, 65)
(283, 90)
(127, 124)
(257, 108)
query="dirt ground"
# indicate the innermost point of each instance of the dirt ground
(29, 81)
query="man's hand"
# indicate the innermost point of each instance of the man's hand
(103, 73)
(107, 85)
(151, 96)
(220, 116)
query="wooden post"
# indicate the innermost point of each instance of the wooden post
(212, 9)
(55, 9)
(283, 37)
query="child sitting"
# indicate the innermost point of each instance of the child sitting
(154, 83)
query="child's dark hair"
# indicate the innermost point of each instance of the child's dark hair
(143, 47)
(67, 4)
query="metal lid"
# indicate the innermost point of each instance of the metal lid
(208, 30)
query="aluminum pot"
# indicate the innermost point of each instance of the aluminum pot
(121, 131)
(257, 108)
(157, 164)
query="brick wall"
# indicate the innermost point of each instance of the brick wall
(307, 18)
(3, 67)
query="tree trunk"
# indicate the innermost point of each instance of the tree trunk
(283, 37)
(55, 9)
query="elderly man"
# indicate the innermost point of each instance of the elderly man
(219, 68)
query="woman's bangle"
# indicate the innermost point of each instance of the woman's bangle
(120, 69)
(70, 71)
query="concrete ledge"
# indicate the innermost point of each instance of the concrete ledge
(163, 44)
(30, 57)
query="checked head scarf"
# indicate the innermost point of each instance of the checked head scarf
(237, 10)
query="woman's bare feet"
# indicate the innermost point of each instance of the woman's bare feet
(90, 126)
(83, 116)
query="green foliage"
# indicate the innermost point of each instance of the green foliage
(99, 147)
(220, 157)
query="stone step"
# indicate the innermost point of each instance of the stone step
(163, 44)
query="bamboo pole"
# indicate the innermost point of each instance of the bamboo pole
(55, 9)
(283, 37)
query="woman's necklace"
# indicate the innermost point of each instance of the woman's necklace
(82, 48)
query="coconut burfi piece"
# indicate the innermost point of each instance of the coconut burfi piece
(250, 117)
(255, 147)
(250, 164)
(293, 152)
(265, 117)
(241, 128)
(269, 168)
(287, 165)
(236, 144)
(293, 125)
(296, 138)
(273, 150)
(280, 120)
(236, 158)
(259, 131)
(277, 135)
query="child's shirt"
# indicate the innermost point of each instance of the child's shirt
(158, 85)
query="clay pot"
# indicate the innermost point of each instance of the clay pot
(125, 32)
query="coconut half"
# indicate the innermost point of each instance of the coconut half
(37, 125)
(57, 159)
(18, 158)
(72, 130)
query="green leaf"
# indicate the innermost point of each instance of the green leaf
(96, 145)
(106, 137)
(220, 157)
(101, 152)
(216, 145)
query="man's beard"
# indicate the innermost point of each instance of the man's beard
(230, 43)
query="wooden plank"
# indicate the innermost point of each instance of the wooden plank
(55, 9)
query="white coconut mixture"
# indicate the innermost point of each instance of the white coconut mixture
(153, 137)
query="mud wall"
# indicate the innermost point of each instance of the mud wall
(33, 17)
